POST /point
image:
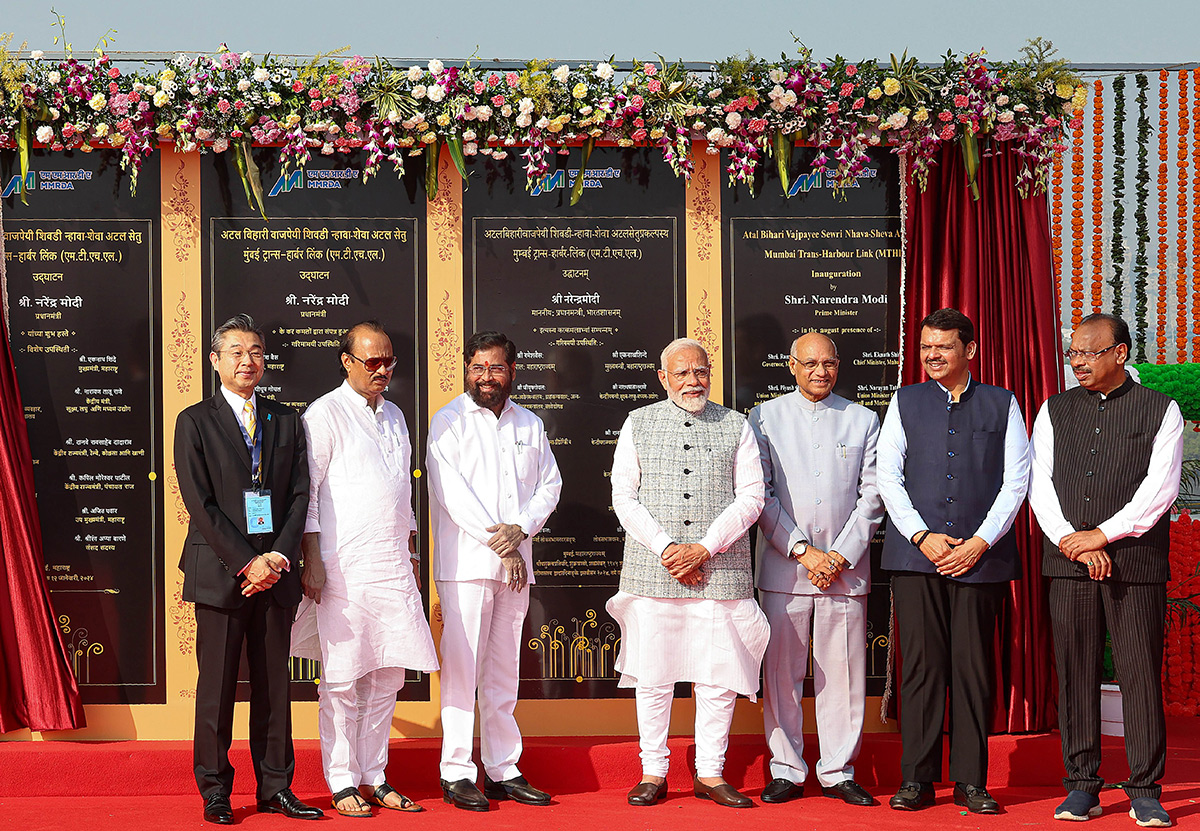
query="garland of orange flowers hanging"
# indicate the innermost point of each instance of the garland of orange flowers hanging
(1160, 337)
(1141, 270)
(1117, 249)
(1196, 208)
(1098, 196)
(1077, 218)
(1181, 254)
(1056, 225)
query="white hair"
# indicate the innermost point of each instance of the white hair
(678, 345)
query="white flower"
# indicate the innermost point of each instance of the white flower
(53, 76)
(36, 55)
(415, 73)
(261, 74)
(470, 148)
(182, 60)
(715, 93)
(247, 56)
(54, 113)
(777, 75)
(436, 66)
(715, 135)
(1021, 108)
(506, 111)
(220, 145)
(604, 71)
(543, 123)
(509, 141)
(789, 99)
(418, 91)
(436, 92)
(160, 99)
(1005, 116)
(525, 105)
(468, 135)
(149, 89)
(585, 110)
(483, 113)
(98, 101)
(100, 130)
(500, 155)
(561, 72)
(327, 149)
(243, 84)
(45, 134)
(194, 89)
(733, 120)
(524, 120)
(1001, 100)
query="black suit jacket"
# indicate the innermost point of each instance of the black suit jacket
(212, 463)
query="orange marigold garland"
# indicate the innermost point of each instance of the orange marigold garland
(1160, 338)
(1056, 225)
(1077, 218)
(1181, 252)
(1196, 214)
(1098, 196)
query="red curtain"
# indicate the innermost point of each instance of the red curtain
(38, 689)
(991, 260)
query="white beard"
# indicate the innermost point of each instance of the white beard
(692, 405)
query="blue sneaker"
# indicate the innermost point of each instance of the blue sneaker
(1149, 812)
(1079, 806)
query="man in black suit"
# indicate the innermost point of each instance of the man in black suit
(243, 475)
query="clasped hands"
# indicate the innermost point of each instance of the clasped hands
(953, 556)
(1087, 547)
(262, 573)
(505, 541)
(683, 560)
(823, 566)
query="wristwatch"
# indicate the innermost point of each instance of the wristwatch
(798, 550)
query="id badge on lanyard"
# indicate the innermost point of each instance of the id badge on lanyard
(258, 511)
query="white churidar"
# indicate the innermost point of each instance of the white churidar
(357, 717)
(714, 715)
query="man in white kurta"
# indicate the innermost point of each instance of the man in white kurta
(360, 571)
(814, 569)
(494, 483)
(687, 485)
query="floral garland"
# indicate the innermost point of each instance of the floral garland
(1163, 174)
(754, 109)
(1141, 221)
(1117, 249)
(1098, 197)
(1076, 218)
(1056, 226)
(1181, 287)
(1196, 207)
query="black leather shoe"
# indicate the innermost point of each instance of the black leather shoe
(646, 793)
(723, 794)
(781, 790)
(912, 796)
(218, 810)
(285, 802)
(849, 792)
(517, 789)
(975, 799)
(463, 794)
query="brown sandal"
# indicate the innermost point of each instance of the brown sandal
(362, 813)
(377, 796)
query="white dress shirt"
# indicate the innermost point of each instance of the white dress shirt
(360, 502)
(893, 447)
(724, 531)
(485, 470)
(1150, 501)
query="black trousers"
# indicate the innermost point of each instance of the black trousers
(946, 628)
(265, 628)
(1080, 608)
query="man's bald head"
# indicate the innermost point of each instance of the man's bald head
(810, 339)
(814, 362)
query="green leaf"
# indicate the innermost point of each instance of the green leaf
(252, 177)
(577, 186)
(454, 145)
(782, 145)
(23, 152)
(431, 169)
(970, 150)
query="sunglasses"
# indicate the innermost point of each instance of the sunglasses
(376, 364)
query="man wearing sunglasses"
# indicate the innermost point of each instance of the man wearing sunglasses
(494, 483)
(1106, 463)
(361, 572)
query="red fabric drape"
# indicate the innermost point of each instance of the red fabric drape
(38, 689)
(991, 260)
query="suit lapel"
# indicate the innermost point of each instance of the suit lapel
(269, 426)
(225, 418)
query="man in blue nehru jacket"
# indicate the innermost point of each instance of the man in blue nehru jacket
(953, 467)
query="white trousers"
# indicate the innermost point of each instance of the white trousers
(714, 715)
(481, 643)
(354, 719)
(838, 626)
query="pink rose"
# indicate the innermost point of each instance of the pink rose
(113, 72)
(846, 90)
(858, 104)
(961, 101)
(832, 108)
(650, 69)
(224, 106)
(493, 80)
(297, 86)
(497, 100)
(639, 134)
(944, 116)
(851, 70)
(637, 102)
(947, 132)
(654, 86)
(512, 79)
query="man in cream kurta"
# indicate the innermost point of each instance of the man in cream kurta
(687, 485)
(494, 483)
(814, 569)
(360, 572)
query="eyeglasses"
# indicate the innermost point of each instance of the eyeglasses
(477, 371)
(255, 355)
(387, 364)
(1072, 354)
(809, 366)
(701, 373)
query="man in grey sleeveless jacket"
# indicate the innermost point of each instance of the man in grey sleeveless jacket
(687, 486)
(1106, 462)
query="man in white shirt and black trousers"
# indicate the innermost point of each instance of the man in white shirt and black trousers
(1106, 464)
(494, 483)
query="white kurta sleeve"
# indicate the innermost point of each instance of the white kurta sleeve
(544, 500)
(1159, 489)
(320, 440)
(447, 485)
(1015, 485)
(1043, 498)
(893, 447)
(626, 480)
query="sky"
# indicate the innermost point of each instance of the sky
(1084, 31)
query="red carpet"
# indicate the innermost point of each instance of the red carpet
(136, 785)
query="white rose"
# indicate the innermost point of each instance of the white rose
(436, 92)
(733, 120)
(524, 120)
(220, 145)
(418, 91)
(53, 76)
(715, 135)
(436, 66)
(243, 84)
(261, 74)
(561, 72)
(506, 111)
(525, 105)
(1001, 100)
(247, 56)
(777, 76)
(45, 134)
(1021, 108)
(543, 123)
(415, 73)
(194, 90)
(604, 71)
(469, 135)
(327, 149)
(483, 113)
(499, 155)
(161, 99)
(470, 148)
(1005, 116)
(36, 55)
(585, 110)
(897, 120)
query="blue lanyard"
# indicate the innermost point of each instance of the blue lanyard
(255, 448)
